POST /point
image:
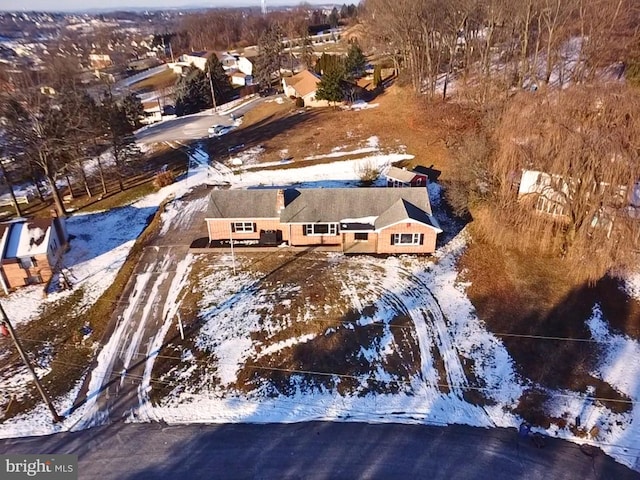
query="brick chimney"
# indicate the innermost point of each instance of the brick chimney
(280, 200)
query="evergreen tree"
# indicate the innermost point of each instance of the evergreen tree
(215, 73)
(193, 93)
(269, 61)
(133, 110)
(329, 62)
(355, 62)
(330, 86)
(334, 17)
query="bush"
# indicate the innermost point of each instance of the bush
(368, 172)
(299, 102)
(162, 179)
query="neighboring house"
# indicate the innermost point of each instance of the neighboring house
(401, 177)
(152, 113)
(30, 251)
(304, 85)
(245, 66)
(228, 61)
(352, 220)
(240, 79)
(546, 190)
(549, 193)
(198, 59)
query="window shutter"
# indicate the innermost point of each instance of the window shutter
(233, 227)
(422, 239)
(255, 227)
(393, 239)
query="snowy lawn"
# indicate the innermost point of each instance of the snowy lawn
(324, 336)
(361, 339)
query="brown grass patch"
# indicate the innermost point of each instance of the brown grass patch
(532, 296)
(400, 122)
(164, 79)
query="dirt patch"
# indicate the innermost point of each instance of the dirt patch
(311, 338)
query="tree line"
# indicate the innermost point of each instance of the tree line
(52, 133)
(501, 44)
(222, 29)
(551, 87)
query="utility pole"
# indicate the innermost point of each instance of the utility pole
(213, 96)
(233, 256)
(43, 394)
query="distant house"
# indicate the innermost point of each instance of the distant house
(245, 65)
(30, 251)
(552, 195)
(240, 79)
(351, 220)
(228, 61)
(198, 59)
(99, 61)
(304, 85)
(401, 177)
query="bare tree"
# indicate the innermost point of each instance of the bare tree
(583, 142)
(44, 129)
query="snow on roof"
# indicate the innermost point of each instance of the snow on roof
(369, 220)
(28, 238)
(401, 174)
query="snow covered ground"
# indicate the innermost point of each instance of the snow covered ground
(426, 290)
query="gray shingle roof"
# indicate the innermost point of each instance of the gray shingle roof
(313, 205)
(335, 204)
(402, 210)
(258, 203)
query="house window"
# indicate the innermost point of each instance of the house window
(543, 204)
(362, 237)
(311, 229)
(407, 239)
(28, 262)
(243, 227)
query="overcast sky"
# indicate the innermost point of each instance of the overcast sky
(58, 5)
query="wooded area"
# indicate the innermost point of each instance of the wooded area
(551, 86)
(500, 44)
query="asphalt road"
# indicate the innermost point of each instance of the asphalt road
(317, 450)
(191, 127)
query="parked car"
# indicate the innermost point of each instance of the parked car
(217, 130)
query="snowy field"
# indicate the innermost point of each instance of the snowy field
(457, 354)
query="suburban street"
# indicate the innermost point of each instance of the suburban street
(192, 127)
(316, 450)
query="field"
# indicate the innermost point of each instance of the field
(400, 123)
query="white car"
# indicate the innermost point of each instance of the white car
(217, 130)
